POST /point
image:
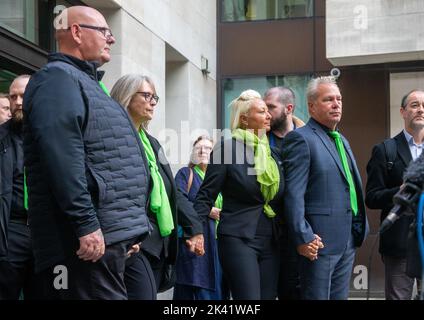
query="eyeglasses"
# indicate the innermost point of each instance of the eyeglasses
(198, 148)
(106, 32)
(149, 97)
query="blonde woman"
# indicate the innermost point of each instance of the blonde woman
(252, 189)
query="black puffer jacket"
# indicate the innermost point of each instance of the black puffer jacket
(86, 167)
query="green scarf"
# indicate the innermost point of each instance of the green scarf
(159, 202)
(266, 168)
(218, 201)
(201, 174)
(25, 191)
(102, 85)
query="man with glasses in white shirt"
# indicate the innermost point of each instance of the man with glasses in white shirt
(385, 176)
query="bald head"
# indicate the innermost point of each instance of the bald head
(83, 32)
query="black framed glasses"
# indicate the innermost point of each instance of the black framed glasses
(149, 97)
(106, 32)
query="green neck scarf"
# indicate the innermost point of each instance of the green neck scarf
(218, 201)
(25, 191)
(159, 202)
(102, 85)
(201, 174)
(266, 168)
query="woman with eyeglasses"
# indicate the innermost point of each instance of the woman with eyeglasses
(199, 278)
(145, 270)
(251, 185)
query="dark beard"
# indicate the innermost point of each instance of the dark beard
(279, 124)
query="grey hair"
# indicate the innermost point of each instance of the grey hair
(311, 90)
(4, 95)
(241, 105)
(127, 86)
(406, 96)
(285, 95)
(191, 164)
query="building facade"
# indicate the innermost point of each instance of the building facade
(376, 48)
(173, 42)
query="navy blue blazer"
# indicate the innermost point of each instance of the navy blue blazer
(316, 196)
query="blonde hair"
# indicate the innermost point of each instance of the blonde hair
(127, 86)
(241, 105)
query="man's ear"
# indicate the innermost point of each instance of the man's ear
(76, 33)
(310, 107)
(289, 108)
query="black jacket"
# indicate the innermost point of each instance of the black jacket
(382, 185)
(182, 212)
(84, 162)
(13, 216)
(231, 172)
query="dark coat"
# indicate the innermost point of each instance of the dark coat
(316, 197)
(193, 270)
(231, 172)
(382, 185)
(84, 162)
(182, 213)
(14, 232)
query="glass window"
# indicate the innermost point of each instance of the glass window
(20, 17)
(6, 78)
(233, 87)
(245, 10)
(31, 19)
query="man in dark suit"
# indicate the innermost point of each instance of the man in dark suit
(323, 199)
(281, 104)
(385, 177)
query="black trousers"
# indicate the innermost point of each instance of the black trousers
(76, 279)
(288, 278)
(17, 278)
(251, 266)
(139, 278)
(17, 272)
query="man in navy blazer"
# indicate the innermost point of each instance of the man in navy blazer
(323, 222)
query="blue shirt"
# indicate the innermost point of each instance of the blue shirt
(416, 149)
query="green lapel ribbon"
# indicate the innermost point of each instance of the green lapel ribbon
(102, 85)
(342, 153)
(267, 173)
(159, 202)
(25, 192)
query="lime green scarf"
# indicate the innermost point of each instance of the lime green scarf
(266, 168)
(102, 85)
(159, 202)
(218, 201)
(201, 174)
